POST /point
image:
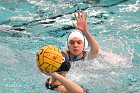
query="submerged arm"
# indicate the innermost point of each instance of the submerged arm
(70, 86)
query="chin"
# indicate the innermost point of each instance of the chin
(76, 53)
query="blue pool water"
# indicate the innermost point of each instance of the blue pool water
(27, 25)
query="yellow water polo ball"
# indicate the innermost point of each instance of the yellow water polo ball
(49, 58)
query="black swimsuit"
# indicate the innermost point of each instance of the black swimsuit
(64, 67)
(49, 86)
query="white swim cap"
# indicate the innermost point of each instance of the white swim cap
(78, 34)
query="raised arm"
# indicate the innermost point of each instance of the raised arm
(82, 26)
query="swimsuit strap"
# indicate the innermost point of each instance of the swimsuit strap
(85, 89)
(49, 86)
(84, 55)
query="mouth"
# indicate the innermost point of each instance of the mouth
(75, 50)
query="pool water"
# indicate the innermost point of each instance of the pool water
(27, 25)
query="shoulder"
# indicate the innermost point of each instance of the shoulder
(91, 55)
(85, 53)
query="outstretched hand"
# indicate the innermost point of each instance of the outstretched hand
(81, 21)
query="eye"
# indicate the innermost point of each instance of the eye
(80, 42)
(71, 42)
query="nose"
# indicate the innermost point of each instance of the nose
(75, 44)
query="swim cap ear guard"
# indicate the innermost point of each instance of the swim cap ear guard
(85, 43)
(78, 34)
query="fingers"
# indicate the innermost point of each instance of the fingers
(81, 20)
(75, 17)
(84, 16)
(81, 14)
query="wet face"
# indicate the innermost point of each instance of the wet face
(76, 46)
